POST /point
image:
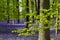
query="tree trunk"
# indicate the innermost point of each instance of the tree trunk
(57, 19)
(7, 11)
(27, 11)
(45, 34)
(17, 6)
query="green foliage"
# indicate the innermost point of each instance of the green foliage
(46, 17)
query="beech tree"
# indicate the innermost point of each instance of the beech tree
(45, 34)
(37, 13)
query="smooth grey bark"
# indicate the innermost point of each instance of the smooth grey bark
(45, 34)
(57, 19)
(46, 5)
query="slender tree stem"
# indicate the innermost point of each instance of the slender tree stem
(27, 11)
(8, 11)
